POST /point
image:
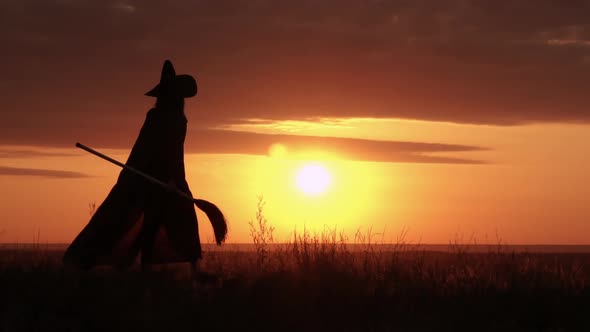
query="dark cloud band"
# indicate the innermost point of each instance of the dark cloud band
(12, 153)
(47, 173)
(223, 141)
(236, 142)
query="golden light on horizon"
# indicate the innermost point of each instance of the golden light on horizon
(313, 179)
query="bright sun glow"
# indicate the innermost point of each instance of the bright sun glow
(313, 179)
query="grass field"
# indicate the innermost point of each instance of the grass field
(315, 282)
(311, 284)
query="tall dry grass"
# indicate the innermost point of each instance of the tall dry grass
(320, 281)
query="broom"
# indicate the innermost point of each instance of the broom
(215, 215)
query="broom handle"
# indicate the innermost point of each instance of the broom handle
(138, 172)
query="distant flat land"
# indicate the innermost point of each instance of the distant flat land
(480, 248)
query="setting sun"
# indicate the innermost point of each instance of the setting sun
(313, 179)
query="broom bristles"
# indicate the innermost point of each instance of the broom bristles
(216, 218)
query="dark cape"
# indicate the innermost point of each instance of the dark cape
(138, 216)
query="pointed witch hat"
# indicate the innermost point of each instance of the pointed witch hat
(171, 84)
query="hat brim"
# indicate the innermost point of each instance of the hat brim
(183, 86)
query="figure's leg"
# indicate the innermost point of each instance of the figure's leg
(203, 277)
(147, 240)
(195, 270)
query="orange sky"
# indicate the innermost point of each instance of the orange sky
(521, 194)
(448, 119)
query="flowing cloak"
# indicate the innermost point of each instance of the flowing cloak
(138, 216)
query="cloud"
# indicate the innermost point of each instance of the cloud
(14, 153)
(73, 66)
(235, 142)
(47, 173)
(568, 42)
(202, 140)
(124, 7)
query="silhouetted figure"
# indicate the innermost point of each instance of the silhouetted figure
(138, 217)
